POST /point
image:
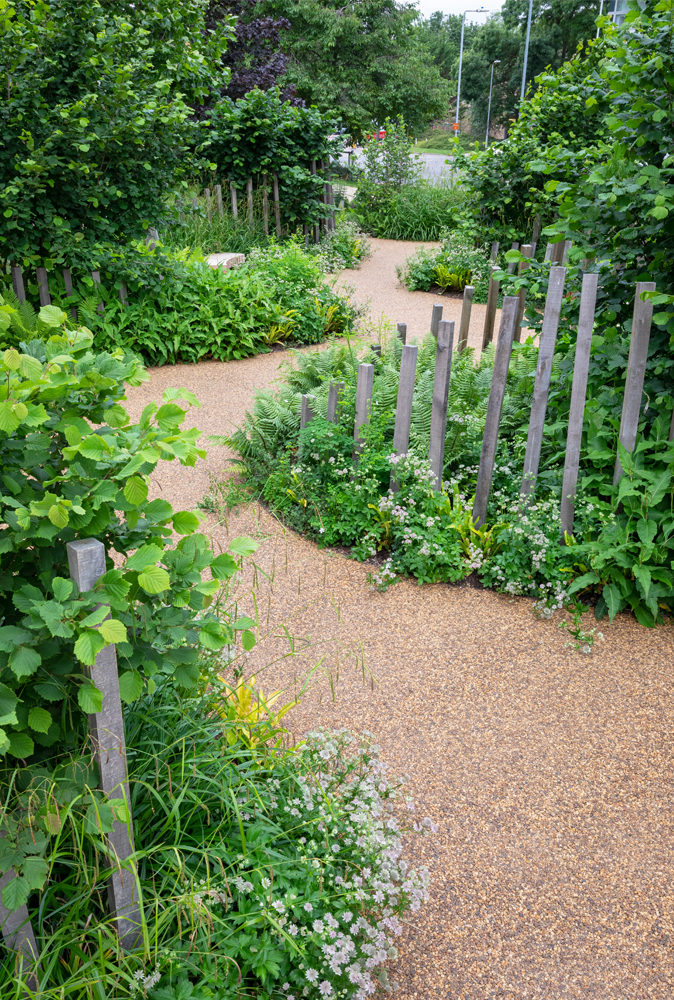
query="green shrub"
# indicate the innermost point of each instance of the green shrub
(258, 867)
(420, 211)
(346, 246)
(454, 265)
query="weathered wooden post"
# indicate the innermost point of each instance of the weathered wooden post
(539, 405)
(277, 207)
(401, 432)
(443, 369)
(504, 346)
(86, 561)
(527, 250)
(265, 205)
(364, 387)
(581, 367)
(557, 252)
(317, 232)
(335, 391)
(307, 411)
(548, 252)
(464, 325)
(376, 349)
(68, 283)
(218, 200)
(124, 294)
(536, 232)
(636, 369)
(492, 300)
(436, 316)
(401, 330)
(209, 207)
(43, 285)
(249, 192)
(234, 200)
(17, 933)
(17, 283)
(96, 278)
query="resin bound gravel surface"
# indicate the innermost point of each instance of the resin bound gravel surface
(548, 773)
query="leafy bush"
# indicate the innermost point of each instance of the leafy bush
(343, 247)
(184, 310)
(262, 871)
(454, 265)
(420, 211)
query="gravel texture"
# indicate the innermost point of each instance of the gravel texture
(548, 773)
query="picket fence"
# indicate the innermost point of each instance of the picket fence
(509, 333)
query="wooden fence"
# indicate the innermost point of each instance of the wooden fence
(214, 202)
(508, 333)
(86, 562)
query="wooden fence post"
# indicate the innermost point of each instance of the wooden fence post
(235, 205)
(317, 232)
(464, 325)
(492, 300)
(636, 369)
(511, 266)
(443, 369)
(401, 330)
(249, 192)
(527, 250)
(364, 386)
(218, 200)
(43, 286)
(581, 367)
(557, 252)
(504, 346)
(335, 390)
(17, 284)
(68, 283)
(265, 205)
(436, 316)
(124, 294)
(307, 411)
(539, 404)
(401, 433)
(277, 207)
(548, 252)
(18, 935)
(96, 278)
(86, 561)
(209, 207)
(536, 232)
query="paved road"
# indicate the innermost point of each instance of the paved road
(433, 166)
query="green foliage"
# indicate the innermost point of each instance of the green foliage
(242, 880)
(95, 121)
(420, 211)
(454, 265)
(364, 60)
(346, 246)
(74, 466)
(261, 133)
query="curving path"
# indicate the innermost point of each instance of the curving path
(549, 774)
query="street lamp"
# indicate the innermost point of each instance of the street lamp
(477, 10)
(526, 52)
(491, 84)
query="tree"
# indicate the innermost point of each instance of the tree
(362, 60)
(95, 119)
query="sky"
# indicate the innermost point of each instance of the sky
(428, 7)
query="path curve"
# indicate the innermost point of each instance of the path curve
(548, 773)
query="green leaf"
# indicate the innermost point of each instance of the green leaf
(154, 580)
(248, 640)
(643, 576)
(88, 645)
(243, 546)
(8, 419)
(15, 894)
(223, 567)
(646, 531)
(113, 630)
(52, 316)
(20, 745)
(130, 686)
(58, 515)
(90, 699)
(35, 870)
(185, 522)
(135, 490)
(39, 719)
(147, 555)
(614, 601)
(62, 588)
(8, 702)
(24, 661)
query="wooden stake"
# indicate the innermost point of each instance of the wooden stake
(636, 369)
(18, 935)
(277, 207)
(307, 412)
(249, 190)
(401, 433)
(436, 316)
(443, 368)
(527, 250)
(86, 561)
(401, 329)
(581, 367)
(364, 387)
(218, 200)
(209, 207)
(504, 346)
(335, 391)
(464, 325)
(539, 405)
(68, 283)
(17, 284)
(492, 300)
(235, 206)
(265, 205)
(43, 286)
(96, 277)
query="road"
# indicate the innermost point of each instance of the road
(433, 166)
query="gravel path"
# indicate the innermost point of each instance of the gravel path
(548, 773)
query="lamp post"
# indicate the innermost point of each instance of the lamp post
(526, 52)
(477, 10)
(491, 85)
